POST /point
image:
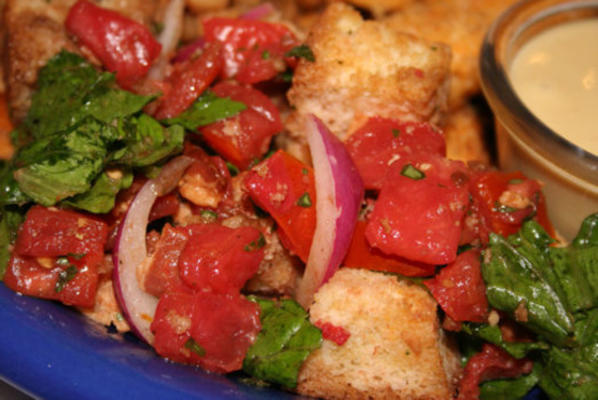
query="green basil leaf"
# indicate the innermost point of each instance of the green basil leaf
(510, 389)
(11, 219)
(208, 108)
(493, 335)
(285, 341)
(101, 197)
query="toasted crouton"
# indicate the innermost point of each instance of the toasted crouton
(35, 32)
(466, 135)
(364, 68)
(458, 23)
(396, 348)
(379, 8)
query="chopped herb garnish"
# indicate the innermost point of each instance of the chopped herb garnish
(515, 181)
(63, 261)
(304, 200)
(265, 55)
(396, 132)
(304, 171)
(501, 208)
(286, 76)
(232, 168)
(64, 277)
(192, 345)
(76, 256)
(209, 214)
(256, 244)
(302, 51)
(409, 171)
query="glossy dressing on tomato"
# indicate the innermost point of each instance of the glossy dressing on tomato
(556, 76)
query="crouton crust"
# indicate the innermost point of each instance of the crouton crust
(364, 68)
(396, 347)
(465, 133)
(458, 23)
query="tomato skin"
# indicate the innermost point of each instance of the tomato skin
(163, 272)
(123, 46)
(50, 232)
(220, 258)
(224, 326)
(362, 255)
(420, 220)
(381, 140)
(486, 190)
(189, 80)
(491, 363)
(245, 137)
(253, 50)
(277, 185)
(460, 290)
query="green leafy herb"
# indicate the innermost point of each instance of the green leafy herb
(265, 55)
(493, 335)
(64, 277)
(208, 108)
(256, 244)
(409, 171)
(301, 51)
(209, 215)
(501, 208)
(285, 341)
(232, 168)
(304, 171)
(508, 389)
(101, 197)
(304, 200)
(396, 132)
(11, 218)
(192, 345)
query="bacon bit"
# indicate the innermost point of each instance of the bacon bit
(336, 334)
(521, 312)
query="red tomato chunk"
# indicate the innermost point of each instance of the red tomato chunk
(245, 137)
(284, 186)
(56, 256)
(381, 141)
(460, 290)
(123, 46)
(491, 363)
(253, 50)
(420, 217)
(205, 328)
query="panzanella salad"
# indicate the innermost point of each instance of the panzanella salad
(307, 240)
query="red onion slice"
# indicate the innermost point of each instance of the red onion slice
(339, 190)
(169, 37)
(139, 307)
(259, 12)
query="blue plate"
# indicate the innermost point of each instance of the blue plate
(52, 352)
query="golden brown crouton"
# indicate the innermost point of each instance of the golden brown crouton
(35, 32)
(379, 8)
(459, 23)
(465, 134)
(363, 68)
(396, 348)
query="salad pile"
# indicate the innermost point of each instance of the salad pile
(175, 193)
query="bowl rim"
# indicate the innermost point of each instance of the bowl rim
(520, 123)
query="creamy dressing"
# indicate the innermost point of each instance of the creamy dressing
(556, 76)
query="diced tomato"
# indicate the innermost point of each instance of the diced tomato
(208, 329)
(336, 334)
(172, 327)
(459, 289)
(491, 363)
(362, 255)
(420, 210)
(163, 272)
(50, 232)
(6, 148)
(284, 186)
(207, 181)
(73, 284)
(253, 50)
(219, 257)
(524, 200)
(225, 326)
(189, 80)
(123, 46)
(381, 141)
(245, 137)
(164, 206)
